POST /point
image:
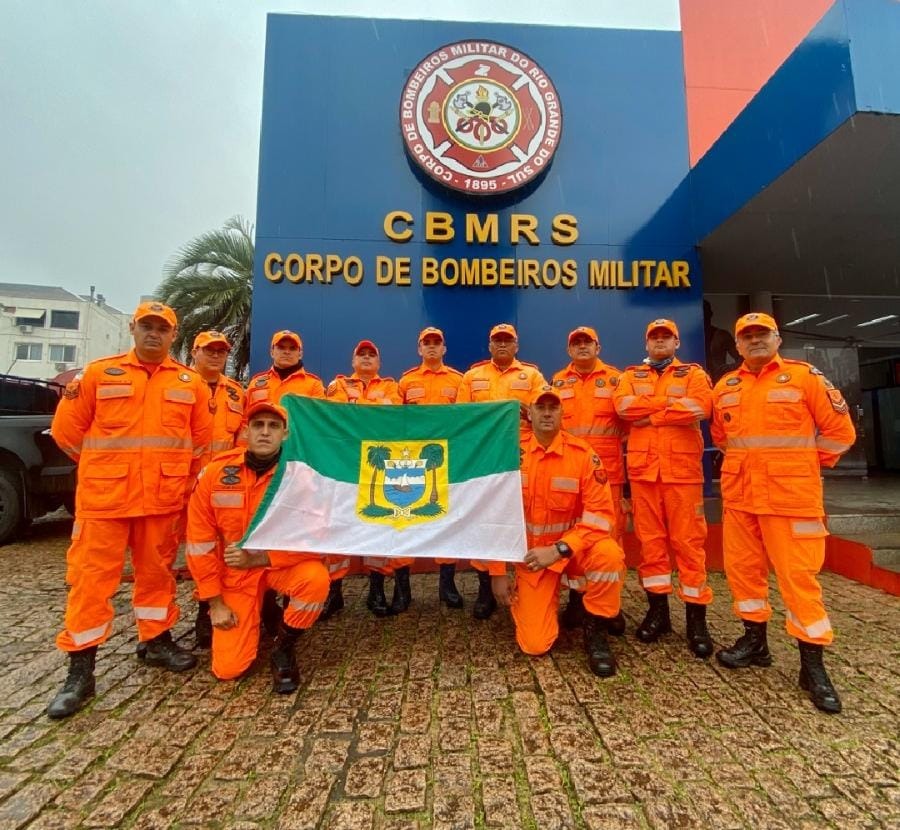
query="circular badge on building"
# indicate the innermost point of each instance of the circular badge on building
(480, 117)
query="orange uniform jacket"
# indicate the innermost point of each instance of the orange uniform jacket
(268, 386)
(138, 438)
(670, 448)
(228, 414)
(424, 385)
(486, 382)
(565, 495)
(221, 507)
(589, 413)
(354, 389)
(777, 428)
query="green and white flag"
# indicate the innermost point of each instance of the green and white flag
(418, 481)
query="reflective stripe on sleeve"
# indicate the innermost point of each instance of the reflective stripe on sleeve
(218, 446)
(150, 612)
(595, 520)
(81, 638)
(657, 581)
(749, 605)
(540, 530)
(603, 576)
(694, 406)
(823, 443)
(623, 404)
(198, 548)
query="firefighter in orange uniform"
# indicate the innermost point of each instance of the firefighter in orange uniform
(778, 421)
(502, 378)
(586, 388)
(433, 382)
(137, 424)
(286, 375)
(233, 580)
(665, 400)
(366, 387)
(208, 356)
(569, 520)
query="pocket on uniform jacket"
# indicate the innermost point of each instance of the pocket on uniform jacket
(102, 486)
(563, 495)
(637, 460)
(176, 408)
(785, 408)
(114, 405)
(793, 483)
(172, 480)
(730, 480)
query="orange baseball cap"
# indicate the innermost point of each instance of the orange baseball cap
(584, 330)
(266, 406)
(504, 328)
(365, 344)
(287, 334)
(755, 318)
(544, 392)
(206, 338)
(430, 330)
(662, 323)
(155, 309)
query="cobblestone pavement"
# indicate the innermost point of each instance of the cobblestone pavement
(432, 720)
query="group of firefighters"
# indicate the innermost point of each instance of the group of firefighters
(142, 427)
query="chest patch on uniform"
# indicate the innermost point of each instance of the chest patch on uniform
(523, 376)
(726, 416)
(681, 371)
(262, 381)
(732, 381)
(232, 393)
(600, 382)
(783, 378)
(229, 479)
(231, 469)
(642, 374)
(114, 370)
(558, 383)
(184, 377)
(571, 380)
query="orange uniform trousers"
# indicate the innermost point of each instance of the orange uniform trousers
(795, 547)
(306, 586)
(95, 561)
(669, 519)
(598, 572)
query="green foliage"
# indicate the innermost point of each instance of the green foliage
(375, 458)
(427, 509)
(209, 283)
(376, 511)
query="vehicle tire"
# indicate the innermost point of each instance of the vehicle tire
(10, 504)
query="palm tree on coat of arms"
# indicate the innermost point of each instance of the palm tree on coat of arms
(375, 458)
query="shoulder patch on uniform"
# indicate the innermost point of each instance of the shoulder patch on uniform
(814, 371)
(113, 370)
(642, 373)
(73, 390)
(838, 404)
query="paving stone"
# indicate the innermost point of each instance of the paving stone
(374, 737)
(501, 808)
(453, 809)
(259, 799)
(83, 790)
(612, 817)
(551, 811)
(118, 803)
(350, 815)
(306, 804)
(25, 804)
(364, 778)
(415, 750)
(144, 758)
(405, 791)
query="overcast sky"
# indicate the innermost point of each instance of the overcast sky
(127, 127)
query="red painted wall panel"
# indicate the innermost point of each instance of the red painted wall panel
(731, 48)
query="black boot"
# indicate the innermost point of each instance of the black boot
(377, 601)
(699, 641)
(78, 688)
(447, 592)
(202, 626)
(573, 616)
(485, 604)
(402, 596)
(285, 674)
(163, 652)
(616, 625)
(334, 601)
(600, 657)
(751, 649)
(656, 621)
(272, 613)
(815, 680)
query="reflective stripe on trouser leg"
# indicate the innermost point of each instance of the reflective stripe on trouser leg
(687, 538)
(338, 566)
(603, 567)
(385, 565)
(94, 565)
(306, 586)
(796, 548)
(153, 596)
(650, 528)
(234, 649)
(535, 609)
(746, 565)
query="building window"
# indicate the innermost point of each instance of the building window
(29, 351)
(64, 320)
(62, 354)
(31, 317)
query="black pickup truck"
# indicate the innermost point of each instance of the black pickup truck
(36, 477)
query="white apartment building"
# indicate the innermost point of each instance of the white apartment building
(45, 330)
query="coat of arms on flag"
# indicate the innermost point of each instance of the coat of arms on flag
(418, 481)
(402, 482)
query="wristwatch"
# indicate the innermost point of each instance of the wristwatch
(564, 550)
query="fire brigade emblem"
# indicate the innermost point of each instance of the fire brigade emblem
(402, 483)
(480, 117)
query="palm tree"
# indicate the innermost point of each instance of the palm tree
(434, 458)
(376, 456)
(209, 283)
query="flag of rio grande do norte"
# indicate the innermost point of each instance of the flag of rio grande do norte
(418, 481)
